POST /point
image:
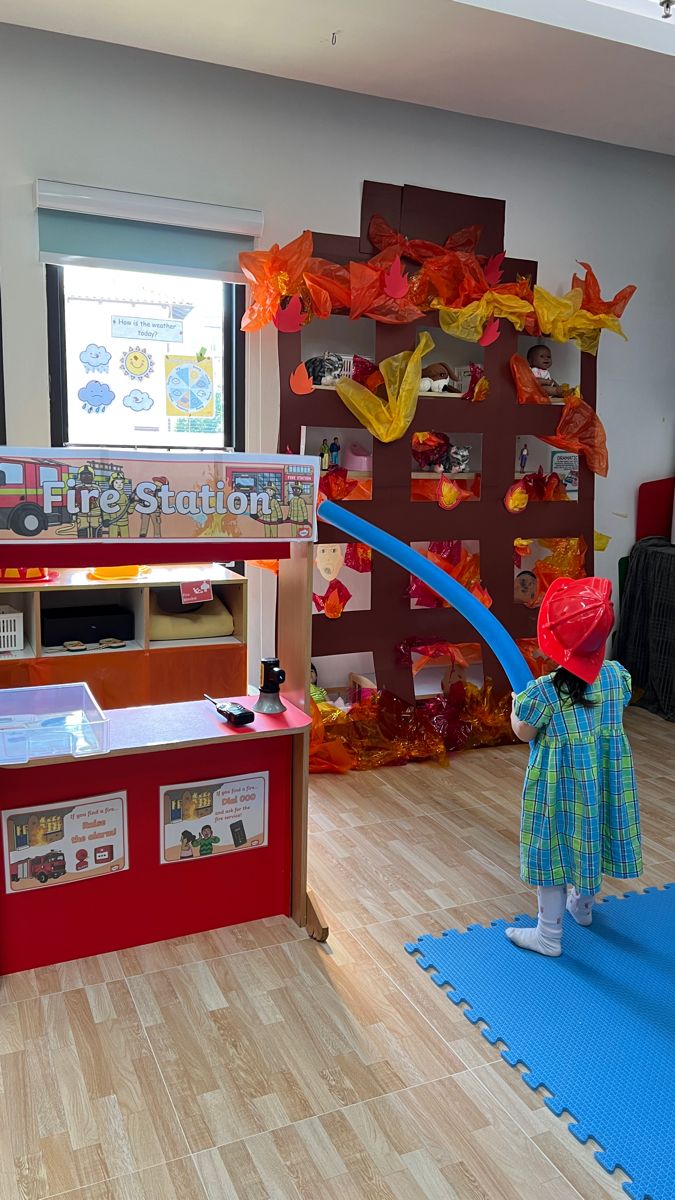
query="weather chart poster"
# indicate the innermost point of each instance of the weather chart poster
(213, 817)
(54, 495)
(65, 843)
(138, 373)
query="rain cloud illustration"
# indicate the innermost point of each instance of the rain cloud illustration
(95, 358)
(96, 396)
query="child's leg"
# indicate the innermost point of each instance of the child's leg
(580, 907)
(547, 937)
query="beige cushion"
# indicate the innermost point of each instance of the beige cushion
(212, 620)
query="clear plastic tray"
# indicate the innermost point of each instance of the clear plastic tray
(55, 721)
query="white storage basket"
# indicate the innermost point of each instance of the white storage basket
(11, 628)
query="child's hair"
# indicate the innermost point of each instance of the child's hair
(569, 687)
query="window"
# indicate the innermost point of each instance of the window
(144, 360)
(11, 474)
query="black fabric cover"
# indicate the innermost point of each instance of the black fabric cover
(645, 642)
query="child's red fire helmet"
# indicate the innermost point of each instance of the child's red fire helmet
(575, 620)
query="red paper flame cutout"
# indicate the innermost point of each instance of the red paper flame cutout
(490, 333)
(396, 281)
(289, 319)
(493, 269)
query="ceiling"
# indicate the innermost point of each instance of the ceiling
(596, 68)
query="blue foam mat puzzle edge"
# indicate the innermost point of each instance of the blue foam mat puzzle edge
(608, 1162)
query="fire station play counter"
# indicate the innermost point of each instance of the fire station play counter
(175, 822)
(122, 813)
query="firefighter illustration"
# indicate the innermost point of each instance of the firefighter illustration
(156, 517)
(87, 522)
(118, 523)
(297, 510)
(275, 516)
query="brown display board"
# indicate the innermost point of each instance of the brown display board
(433, 215)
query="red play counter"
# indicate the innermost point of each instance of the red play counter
(151, 748)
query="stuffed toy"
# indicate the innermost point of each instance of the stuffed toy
(325, 368)
(438, 377)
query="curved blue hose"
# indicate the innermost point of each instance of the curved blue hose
(483, 621)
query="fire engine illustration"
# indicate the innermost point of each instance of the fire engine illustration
(22, 501)
(43, 867)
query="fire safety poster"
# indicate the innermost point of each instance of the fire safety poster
(65, 843)
(213, 817)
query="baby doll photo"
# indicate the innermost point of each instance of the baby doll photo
(540, 361)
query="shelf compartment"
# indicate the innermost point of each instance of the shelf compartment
(91, 648)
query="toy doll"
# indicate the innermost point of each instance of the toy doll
(437, 377)
(324, 454)
(319, 695)
(335, 451)
(540, 361)
(524, 455)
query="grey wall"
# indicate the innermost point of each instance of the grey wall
(89, 112)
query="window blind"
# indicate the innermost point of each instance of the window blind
(86, 239)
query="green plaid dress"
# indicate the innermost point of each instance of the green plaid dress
(580, 817)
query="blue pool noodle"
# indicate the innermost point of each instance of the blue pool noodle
(490, 629)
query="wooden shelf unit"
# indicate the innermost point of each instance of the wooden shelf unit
(162, 671)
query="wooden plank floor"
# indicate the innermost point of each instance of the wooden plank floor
(253, 1064)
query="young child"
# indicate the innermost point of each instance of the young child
(580, 816)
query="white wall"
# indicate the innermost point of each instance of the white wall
(105, 115)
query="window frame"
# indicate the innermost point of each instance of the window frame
(234, 367)
(3, 424)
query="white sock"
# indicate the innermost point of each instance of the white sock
(547, 937)
(580, 907)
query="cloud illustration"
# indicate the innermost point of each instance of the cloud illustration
(96, 396)
(95, 358)
(138, 401)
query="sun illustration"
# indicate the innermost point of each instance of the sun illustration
(136, 363)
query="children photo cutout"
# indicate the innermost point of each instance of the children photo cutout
(341, 578)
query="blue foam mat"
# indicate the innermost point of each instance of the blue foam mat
(595, 1027)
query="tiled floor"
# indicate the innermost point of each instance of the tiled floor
(251, 1063)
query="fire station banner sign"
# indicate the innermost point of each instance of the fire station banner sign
(53, 495)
